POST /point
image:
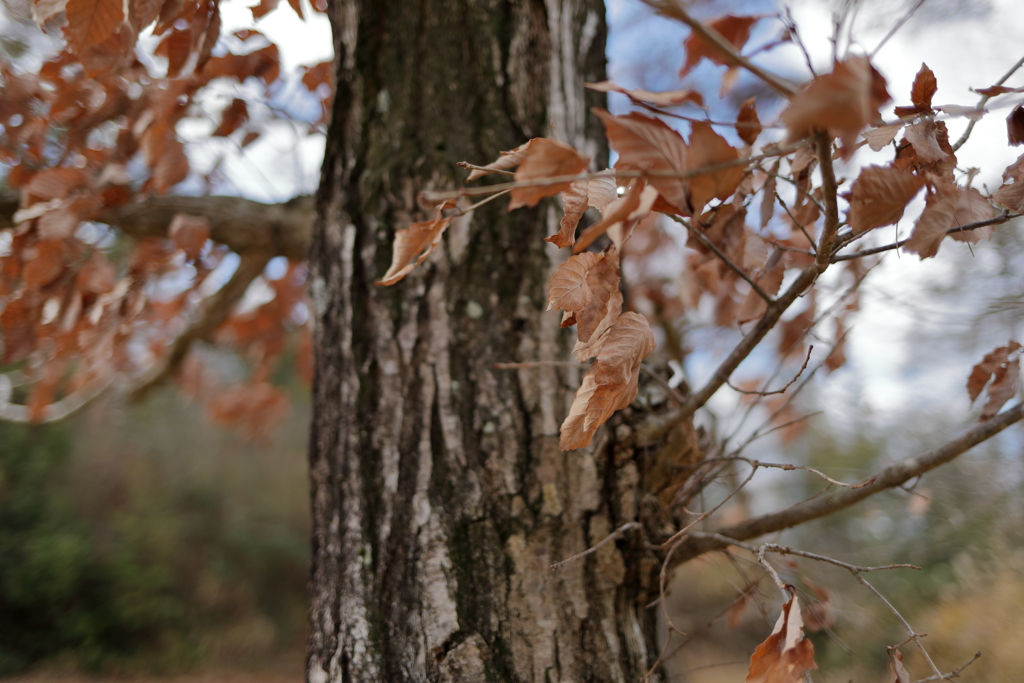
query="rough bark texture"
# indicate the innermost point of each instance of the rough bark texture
(440, 497)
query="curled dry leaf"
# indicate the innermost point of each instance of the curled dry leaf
(1015, 125)
(668, 98)
(568, 290)
(880, 137)
(415, 242)
(786, 654)
(1012, 196)
(612, 381)
(233, 116)
(843, 103)
(936, 219)
(597, 192)
(189, 233)
(897, 672)
(1005, 375)
(545, 159)
(748, 126)
(879, 196)
(922, 137)
(627, 210)
(735, 30)
(768, 195)
(972, 207)
(504, 162)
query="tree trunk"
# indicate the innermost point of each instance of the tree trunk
(440, 497)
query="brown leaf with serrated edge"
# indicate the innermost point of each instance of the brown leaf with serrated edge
(668, 98)
(996, 90)
(603, 280)
(546, 158)
(935, 220)
(646, 144)
(897, 672)
(189, 233)
(768, 195)
(748, 126)
(754, 306)
(972, 207)
(1015, 125)
(233, 116)
(415, 242)
(568, 290)
(621, 214)
(879, 196)
(708, 148)
(1004, 374)
(91, 22)
(922, 137)
(612, 381)
(921, 93)
(786, 654)
(504, 162)
(880, 137)
(842, 103)
(598, 192)
(735, 30)
(1012, 196)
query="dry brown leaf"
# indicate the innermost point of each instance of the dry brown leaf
(545, 159)
(1004, 374)
(996, 90)
(921, 93)
(415, 242)
(603, 280)
(1012, 196)
(646, 144)
(879, 196)
(768, 195)
(612, 381)
(91, 22)
(1015, 125)
(972, 207)
(837, 358)
(615, 213)
(598, 192)
(922, 137)
(189, 233)
(233, 116)
(504, 162)
(897, 672)
(936, 219)
(45, 264)
(668, 98)
(754, 306)
(880, 137)
(708, 148)
(786, 654)
(735, 30)
(843, 103)
(748, 126)
(568, 290)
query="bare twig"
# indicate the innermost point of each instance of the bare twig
(629, 526)
(539, 364)
(790, 24)
(787, 590)
(998, 220)
(955, 673)
(890, 477)
(823, 143)
(810, 240)
(663, 383)
(983, 100)
(899, 24)
(696, 232)
(473, 167)
(675, 10)
(788, 467)
(777, 391)
(704, 515)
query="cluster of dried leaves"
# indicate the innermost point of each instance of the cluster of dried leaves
(92, 134)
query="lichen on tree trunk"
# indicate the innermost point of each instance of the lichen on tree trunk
(440, 497)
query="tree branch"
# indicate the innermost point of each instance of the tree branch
(890, 477)
(998, 220)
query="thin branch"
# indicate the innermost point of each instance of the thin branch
(911, 634)
(210, 314)
(983, 100)
(722, 257)
(955, 673)
(890, 477)
(777, 391)
(629, 526)
(474, 167)
(998, 220)
(790, 24)
(823, 142)
(897, 27)
(675, 10)
(55, 412)
(704, 515)
(810, 240)
(787, 590)
(663, 383)
(787, 467)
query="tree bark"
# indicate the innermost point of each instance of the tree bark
(440, 498)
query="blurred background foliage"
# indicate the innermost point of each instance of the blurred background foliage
(144, 538)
